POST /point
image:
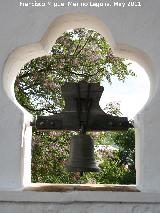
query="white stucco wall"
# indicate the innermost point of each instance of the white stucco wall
(79, 202)
(133, 32)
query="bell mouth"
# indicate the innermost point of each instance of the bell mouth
(79, 169)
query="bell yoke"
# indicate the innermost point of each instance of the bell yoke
(82, 113)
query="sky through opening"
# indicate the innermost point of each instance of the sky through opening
(131, 94)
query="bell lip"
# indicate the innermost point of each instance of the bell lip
(80, 135)
(80, 169)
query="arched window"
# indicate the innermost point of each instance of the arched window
(20, 166)
(79, 54)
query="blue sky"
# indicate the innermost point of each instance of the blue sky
(132, 94)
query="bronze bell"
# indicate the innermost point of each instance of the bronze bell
(82, 113)
(82, 154)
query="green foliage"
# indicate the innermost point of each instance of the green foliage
(125, 141)
(110, 172)
(78, 54)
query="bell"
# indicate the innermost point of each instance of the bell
(82, 154)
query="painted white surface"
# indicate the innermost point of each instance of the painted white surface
(133, 33)
(79, 202)
(79, 208)
(80, 196)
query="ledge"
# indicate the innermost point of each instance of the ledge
(46, 187)
(74, 193)
(79, 197)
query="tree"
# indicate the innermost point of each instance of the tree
(78, 54)
(125, 141)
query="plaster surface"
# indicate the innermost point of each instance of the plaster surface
(30, 32)
(79, 202)
(78, 208)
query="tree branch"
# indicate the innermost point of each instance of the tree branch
(83, 45)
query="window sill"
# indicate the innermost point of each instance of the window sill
(47, 187)
(61, 194)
